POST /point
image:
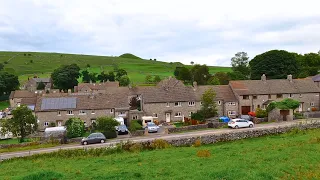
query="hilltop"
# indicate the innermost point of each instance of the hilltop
(28, 64)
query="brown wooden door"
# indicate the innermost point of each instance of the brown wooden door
(284, 114)
(245, 110)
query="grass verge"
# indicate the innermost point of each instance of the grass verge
(287, 156)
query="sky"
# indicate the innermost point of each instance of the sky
(203, 31)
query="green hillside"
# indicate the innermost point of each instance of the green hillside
(28, 64)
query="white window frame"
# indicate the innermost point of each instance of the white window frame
(168, 104)
(82, 112)
(111, 110)
(191, 103)
(219, 103)
(68, 112)
(312, 104)
(232, 103)
(93, 112)
(178, 114)
(246, 96)
(46, 124)
(201, 102)
(93, 121)
(122, 112)
(232, 113)
(154, 115)
(179, 104)
(59, 113)
(134, 117)
(290, 95)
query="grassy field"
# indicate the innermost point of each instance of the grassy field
(288, 156)
(4, 105)
(28, 64)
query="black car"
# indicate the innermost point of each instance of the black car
(122, 129)
(94, 138)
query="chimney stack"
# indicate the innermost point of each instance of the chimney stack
(90, 82)
(69, 91)
(263, 77)
(289, 77)
(195, 84)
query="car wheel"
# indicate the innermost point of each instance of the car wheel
(102, 141)
(250, 125)
(85, 143)
(236, 127)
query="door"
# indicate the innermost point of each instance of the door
(300, 107)
(59, 123)
(284, 114)
(167, 117)
(245, 110)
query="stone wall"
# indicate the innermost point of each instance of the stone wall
(236, 135)
(138, 133)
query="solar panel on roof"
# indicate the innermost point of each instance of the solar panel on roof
(59, 103)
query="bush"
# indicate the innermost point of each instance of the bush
(197, 143)
(137, 147)
(271, 106)
(52, 124)
(160, 144)
(110, 134)
(106, 124)
(210, 125)
(203, 153)
(75, 127)
(260, 113)
(298, 115)
(135, 125)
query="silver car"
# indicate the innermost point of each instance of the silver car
(122, 129)
(152, 127)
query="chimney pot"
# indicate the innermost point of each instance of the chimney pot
(263, 77)
(289, 77)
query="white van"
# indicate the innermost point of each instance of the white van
(8, 135)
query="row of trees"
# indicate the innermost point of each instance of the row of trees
(8, 82)
(66, 76)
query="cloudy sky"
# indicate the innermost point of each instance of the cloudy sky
(204, 31)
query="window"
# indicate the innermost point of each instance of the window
(82, 112)
(245, 97)
(122, 112)
(134, 117)
(154, 115)
(177, 104)
(279, 95)
(59, 113)
(190, 114)
(46, 123)
(290, 95)
(93, 112)
(178, 114)
(219, 102)
(168, 104)
(269, 96)
(300, 96)
(232, 103)
(232, 113)
(69, 112)
(312, 104)
(93, 121)
(111, 110)
(259, 106)
(201, 103)
(191, 103)
(254, 97)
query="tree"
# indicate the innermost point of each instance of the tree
(88, 66)
(185, 74)
(200, 74)
(222, 77)
(66, 76)
(120, 73)
(157, 79)
(107, 126)
(75, 127)
(23, 123)
(148, 79)
(288, 103)
(240, 63)
(111, 76)
(134, 103)
(191, 62)
(41, 86)
(213, 81)
(236, 75)
(103, 77)
(8, 83)
(124, 81)
(93, 77)
(1, 66)
(85, 76)
(276, 64)
(208, 108)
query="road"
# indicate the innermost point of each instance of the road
(145, 138)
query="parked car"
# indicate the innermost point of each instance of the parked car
(122, 129)
(240, 123)
(94, 138)
(152, 127)
(246, 117)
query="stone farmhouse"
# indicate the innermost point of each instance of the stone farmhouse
(33, 83)
(170, 100)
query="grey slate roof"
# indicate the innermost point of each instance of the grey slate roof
(59, 103)
(316, 78)
(274, 86)
(44, 80)
(223, 92)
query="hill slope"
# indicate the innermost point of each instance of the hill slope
(28, 64)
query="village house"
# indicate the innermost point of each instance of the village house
(95, 87)
(33, 83)
(252, 94)
(22, 97)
